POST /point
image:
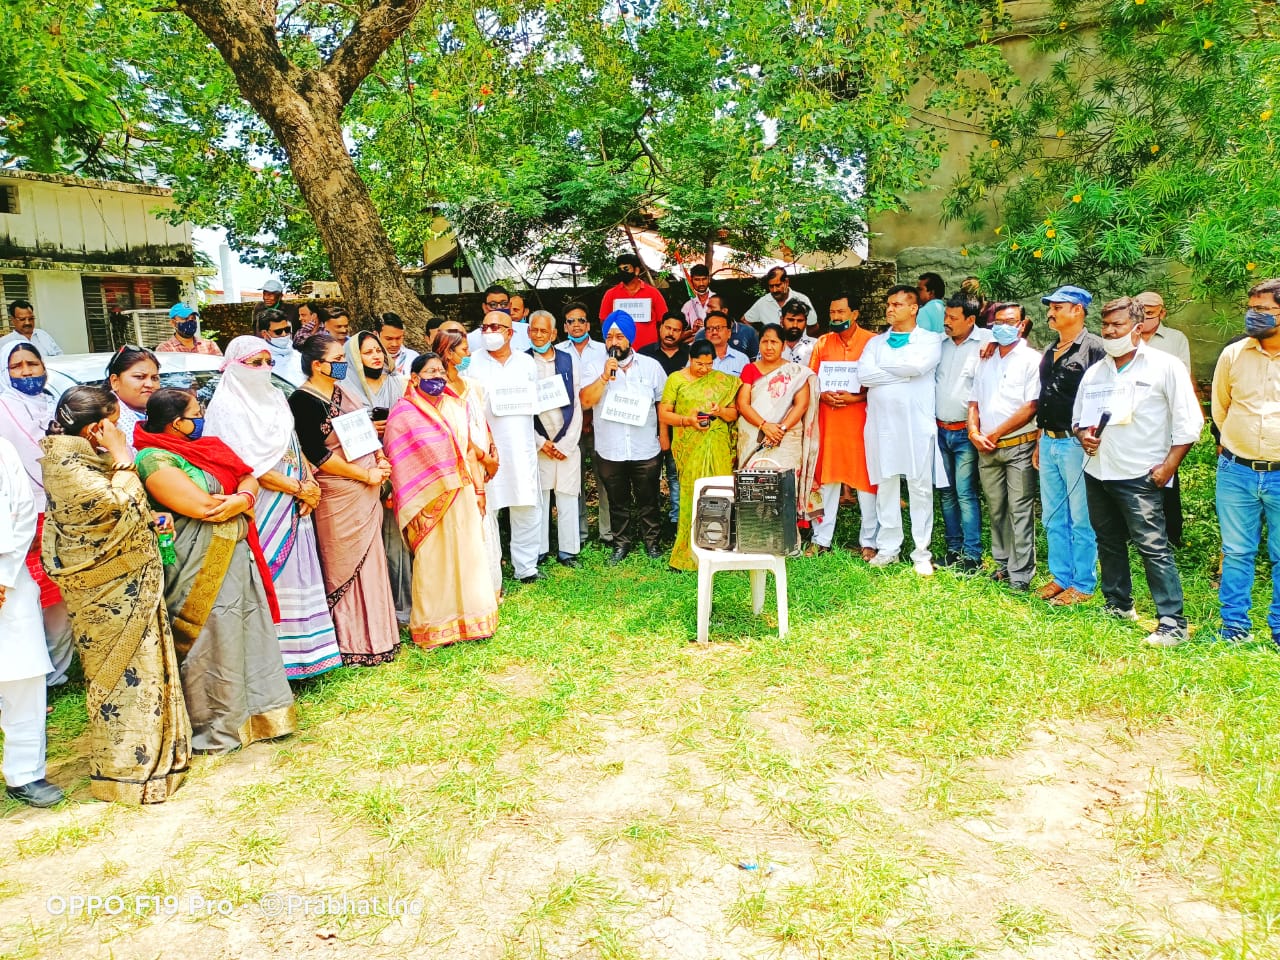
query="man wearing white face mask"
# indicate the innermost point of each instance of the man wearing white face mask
(515, 485)
(1136, 415)
(1002, 413)
(272, 325)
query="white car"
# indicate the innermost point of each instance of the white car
(190, 371)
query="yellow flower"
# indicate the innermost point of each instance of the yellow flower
(1076, 198)
(1037, 254)
(1139, 2)
(1208, 43)
(1264, 116)
(1051, 233)
(1155, 148)
(1061, 132)
(964, 251)
(998, 229)
(995, 144)
(1014, 246)
(1062, 25)
(1251, 266)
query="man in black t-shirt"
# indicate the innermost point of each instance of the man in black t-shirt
(672, 355)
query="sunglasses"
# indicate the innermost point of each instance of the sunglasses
(492, 327)
(259, 362)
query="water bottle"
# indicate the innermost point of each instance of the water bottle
(165, 536)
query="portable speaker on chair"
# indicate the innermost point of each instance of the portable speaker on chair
(713, 518)
(765, 512)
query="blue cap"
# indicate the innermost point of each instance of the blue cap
(1076, 295)
(180, 311)
(623, 321)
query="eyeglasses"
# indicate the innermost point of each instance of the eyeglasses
(259, 362)
(497, 304)
(492, 327)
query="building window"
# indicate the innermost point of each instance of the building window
(8, 199)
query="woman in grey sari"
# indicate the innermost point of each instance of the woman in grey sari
(218, 590)
(372, 382)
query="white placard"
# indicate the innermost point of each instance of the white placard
(1116, 398)
(639, 309)
(626, 407)
(513, 399)
(356, 434)
(836, 375)
(551, 394)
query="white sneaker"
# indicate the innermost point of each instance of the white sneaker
(883, 559)
(923, 567)
(1167, 634)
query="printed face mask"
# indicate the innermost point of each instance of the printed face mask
(187, 328)
(338, 369)
(31, 386)
(1258, 325)
(432, 387)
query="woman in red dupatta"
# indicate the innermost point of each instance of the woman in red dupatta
(439, 511)
(219, 591)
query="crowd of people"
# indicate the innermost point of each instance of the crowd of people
(199, 560)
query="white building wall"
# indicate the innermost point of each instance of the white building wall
(58, 297)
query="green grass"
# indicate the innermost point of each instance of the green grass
(586, 783)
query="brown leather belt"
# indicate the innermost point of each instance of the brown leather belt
(1059, 434)
(953, 424)
(1031, 436)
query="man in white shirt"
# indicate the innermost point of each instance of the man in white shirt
(695, 309)
(1002, 413)
(1136, 416)
(1156, 333)
(953, 385)
(768, 309)
(391, 333)
(901, 436)
(501, 372)
(728, 360)
(624, 393)
(22, 320)
(587, 353)
(272, 326)
(558, 429)
(497, 299)
(797, 344)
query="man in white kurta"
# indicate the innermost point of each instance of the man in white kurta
(558, 429)
(901, 436)
(501, 372)
(24, 659)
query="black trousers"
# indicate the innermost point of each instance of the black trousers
(632, 486)
(1172, 497)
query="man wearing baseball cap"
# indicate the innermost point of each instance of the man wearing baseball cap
(1073, 548)
(273, 299)
(185, 322)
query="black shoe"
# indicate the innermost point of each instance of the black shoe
(968, 565)
(543, 558)
(570, 561)
(534, 577)
(37, 793)
(1019, 587)
(620, 553)
(999, 575)
(950, 559)
(654, 552)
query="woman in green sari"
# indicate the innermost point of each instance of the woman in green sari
(219, 590)
(698, 405)
(100, 549)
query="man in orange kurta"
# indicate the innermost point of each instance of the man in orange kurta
(842, 420)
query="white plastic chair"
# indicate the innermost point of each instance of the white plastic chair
(711, 562)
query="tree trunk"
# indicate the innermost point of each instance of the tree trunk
(304, 110)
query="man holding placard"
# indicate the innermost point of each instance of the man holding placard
(558, 424)
(641, 301)
(1136, 416)
(842, 421)
(902, 433)
(510, 382)
(624, 392)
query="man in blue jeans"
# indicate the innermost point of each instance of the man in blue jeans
(1136, 415)
(953, 382)
(1246, 383)
(1073, 550)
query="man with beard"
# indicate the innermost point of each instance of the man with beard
(798, 345)
(631, 286)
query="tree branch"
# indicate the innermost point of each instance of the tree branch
(374, 31)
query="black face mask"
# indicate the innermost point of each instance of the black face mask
(625, 278)
(792, 335)
(373, 373)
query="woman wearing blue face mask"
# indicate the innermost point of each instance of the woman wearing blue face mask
(348, 518)
(450, 345)
(438, 507)
(218, 592)
(26, 407)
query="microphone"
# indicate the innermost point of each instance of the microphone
(616, 354)
(1102, 424)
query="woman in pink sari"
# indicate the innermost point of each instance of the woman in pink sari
(437, 508)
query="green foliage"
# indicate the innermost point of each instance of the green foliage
(1150, 138)
(537, 126)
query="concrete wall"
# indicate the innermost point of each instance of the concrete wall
(58, 298)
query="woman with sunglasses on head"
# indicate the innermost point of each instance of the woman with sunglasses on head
(252, 417)
(100, 548)
(219, 592)
(26, 407)
(349, 517)
(133, 376)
